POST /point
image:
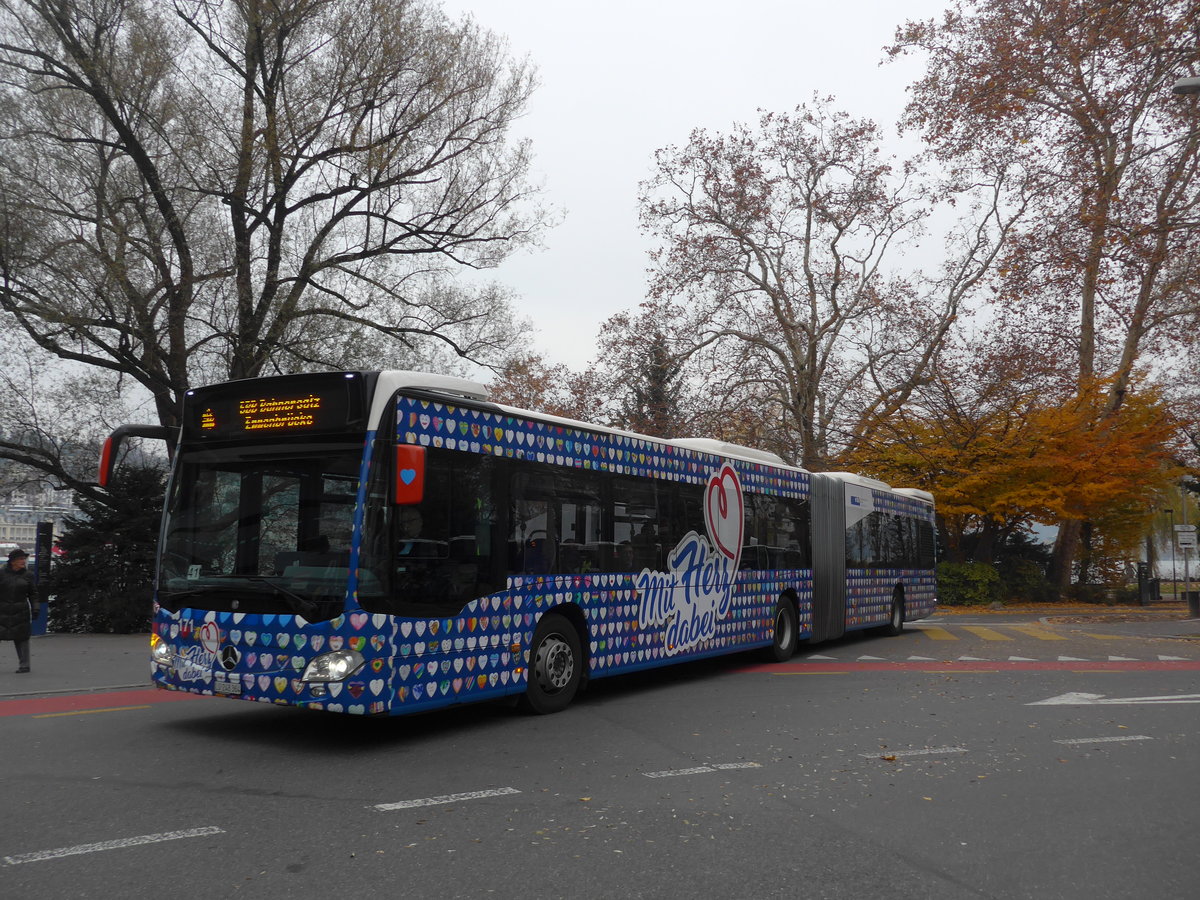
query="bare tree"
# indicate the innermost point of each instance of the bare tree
(779, 242)
(206, 189)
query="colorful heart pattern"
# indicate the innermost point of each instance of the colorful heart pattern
(483, 652)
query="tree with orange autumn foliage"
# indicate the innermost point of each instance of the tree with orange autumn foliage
(1079, 94)
(1001, 454)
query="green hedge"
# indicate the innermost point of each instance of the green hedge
(968, 584)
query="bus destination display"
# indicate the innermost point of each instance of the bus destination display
(302, 407)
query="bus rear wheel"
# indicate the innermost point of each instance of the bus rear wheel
(555, 666)
(895, 623)
(785, 633)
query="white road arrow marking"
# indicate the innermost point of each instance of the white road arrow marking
(1078, 699)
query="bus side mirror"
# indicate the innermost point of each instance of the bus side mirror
(108, 455)
(409, 475)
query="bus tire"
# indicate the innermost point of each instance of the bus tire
(895, 623)
(555, 666)
(785, 631)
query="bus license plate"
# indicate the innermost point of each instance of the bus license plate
(227, 687)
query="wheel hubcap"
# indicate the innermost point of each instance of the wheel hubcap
(555, 664)
(783, 628)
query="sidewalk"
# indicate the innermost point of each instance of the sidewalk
(77, 663)
(1160, 620)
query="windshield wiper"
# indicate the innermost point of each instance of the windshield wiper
(298, 603)
(310, 609)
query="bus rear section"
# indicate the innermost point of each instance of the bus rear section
(873, 552)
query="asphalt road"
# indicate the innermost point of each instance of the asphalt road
(928, 766)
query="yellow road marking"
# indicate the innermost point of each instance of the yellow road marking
(809, 673)
(957, 671)
(88, 712)
(937, 633)
(987, 634)
(1035, 632)
(1103, 637)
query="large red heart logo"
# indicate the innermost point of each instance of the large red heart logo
(724, 513)
(209, 636)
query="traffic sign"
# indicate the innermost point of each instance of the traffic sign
(1188, 528)
(1186, 538)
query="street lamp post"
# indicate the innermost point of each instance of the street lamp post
(1193, 600)
(1189, 84)
(1171, 541)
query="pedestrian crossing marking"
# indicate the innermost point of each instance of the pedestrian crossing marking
(1034, 631)
(937, 633)
(988, 634)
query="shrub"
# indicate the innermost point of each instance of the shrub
(1025, 581)
(968, 584)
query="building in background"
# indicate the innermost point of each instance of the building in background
(21, 510)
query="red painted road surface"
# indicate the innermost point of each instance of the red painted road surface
(81, 703)
(111, 701)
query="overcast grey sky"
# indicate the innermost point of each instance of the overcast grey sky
(622, 78)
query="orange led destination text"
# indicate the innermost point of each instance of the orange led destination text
(272, 412)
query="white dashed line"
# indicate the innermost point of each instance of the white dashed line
(699, 770)
(933, 751)
(1105, 740)
(43, 855)
(447, 798)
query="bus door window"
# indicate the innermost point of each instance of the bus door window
(638, 544)
(532, 539)
(784, 532)
(202, 539)
(682, 510)
(578, 513)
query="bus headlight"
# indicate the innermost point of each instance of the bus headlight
(333, 666)
(160, 651)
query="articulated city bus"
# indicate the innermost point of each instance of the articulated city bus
(391, 542)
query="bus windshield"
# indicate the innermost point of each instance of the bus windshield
(254, 529)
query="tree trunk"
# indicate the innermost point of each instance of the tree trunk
(1063, 556)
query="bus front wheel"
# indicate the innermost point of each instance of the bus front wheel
(555, 666)
(785, 633)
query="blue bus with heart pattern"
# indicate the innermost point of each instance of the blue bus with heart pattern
(380, 543)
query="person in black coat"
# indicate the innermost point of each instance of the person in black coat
(17, 598)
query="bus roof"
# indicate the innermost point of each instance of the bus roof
(392, 381)
(864, 481)
(724, 448)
